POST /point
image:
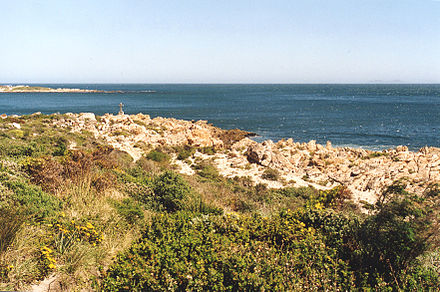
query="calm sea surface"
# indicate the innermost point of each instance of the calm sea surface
(367, 116)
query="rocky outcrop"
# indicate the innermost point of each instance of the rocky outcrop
(27, 88)
(136, 134)
(364, 172)
(361, 170)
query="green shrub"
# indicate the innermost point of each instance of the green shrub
(16, 133)
(158, 156)
(121, 133)
(207, 150)
(204, 208)
(129, 210)
(32, 198)
(171, 191)
(375, 154)
(418, 278)
(185, 152)
(397, 233)
(17, 148)
(186, 251)
(339, 230)
(207, 171)
(271, 174)
(335, 197)
(243, 205)
(301, 192)
(60, 147)
(143, 193)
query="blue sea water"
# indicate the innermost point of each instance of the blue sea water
(373, 116)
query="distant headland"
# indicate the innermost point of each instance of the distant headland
(27, 88)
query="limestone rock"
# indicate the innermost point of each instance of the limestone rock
(362, 171)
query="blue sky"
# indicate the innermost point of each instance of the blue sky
(221, 41)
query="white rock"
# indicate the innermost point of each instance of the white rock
(16, 125)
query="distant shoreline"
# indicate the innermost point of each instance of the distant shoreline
(29, 89)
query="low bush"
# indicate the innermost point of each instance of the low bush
(33, 199)
(103, 181)
(207, 171)
(375, 155)
(130, 210)
(185, 152)
(60, 147)
(171, 191)
(334, 198)
(18, 148)
(207, 150)
(77, 167)
(419, 278)
(271, 174)
(304, 193)
(401, 228)
(158, 156)
(186, 251)
(44, 171)
(18, 134)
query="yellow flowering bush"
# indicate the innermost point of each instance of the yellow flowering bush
(4, 271)
(329, 198)
(65, 233)
(46, 261)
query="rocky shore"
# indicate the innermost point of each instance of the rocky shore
(365, 173)
(27, 88)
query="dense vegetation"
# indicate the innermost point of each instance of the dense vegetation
(96, 220)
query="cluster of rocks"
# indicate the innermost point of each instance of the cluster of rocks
(364, 172)
(136, 134)
(27, 88)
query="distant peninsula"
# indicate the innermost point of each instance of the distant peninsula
(27, 88)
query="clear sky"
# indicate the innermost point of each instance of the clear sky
(220, 41)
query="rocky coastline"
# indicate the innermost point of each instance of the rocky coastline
(27, 89)
(79, 183)
(365, 173)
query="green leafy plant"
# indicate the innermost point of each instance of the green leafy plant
(171, 191)
(158, 156)
(186, 251)
(207, 170)
(207, 150)
(65, 233)
(185, 152)
(130, 210)
(271, 174)
(399, 231)
(33, 199)
(60, 147)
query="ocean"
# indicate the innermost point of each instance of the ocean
(373, 116)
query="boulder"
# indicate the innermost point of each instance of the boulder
(259, 154)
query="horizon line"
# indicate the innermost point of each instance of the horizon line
(232, 83)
